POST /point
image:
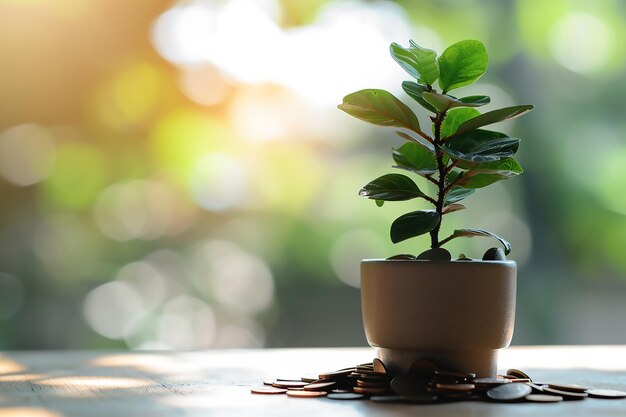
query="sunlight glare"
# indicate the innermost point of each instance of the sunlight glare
(27, 154)
(581, 42)
(237, 279)
(344, 49)
(95, 382)
(110, 307)
(27, 412)
(218, 182)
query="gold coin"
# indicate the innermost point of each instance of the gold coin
(320, 386)
(370, 390)
(370, 372)
(455, 387)
(350, 368)
(371, 384)
(336, 374)
(567, 395)
(289, 384)
(369, 377)
(518, 374)
(379, 366)
(268, 390)
(569, 387)
(306, 394)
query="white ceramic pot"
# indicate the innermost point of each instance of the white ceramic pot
(456, 313)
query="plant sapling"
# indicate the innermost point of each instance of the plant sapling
(458, 156)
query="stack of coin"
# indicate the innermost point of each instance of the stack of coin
(428, 383)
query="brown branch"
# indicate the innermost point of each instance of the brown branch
(431, 179)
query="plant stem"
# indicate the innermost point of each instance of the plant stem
(431, 179)
(441, 181)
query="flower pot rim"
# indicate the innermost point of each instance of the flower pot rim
(507, 262)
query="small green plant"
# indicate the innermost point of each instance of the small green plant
(457, 156)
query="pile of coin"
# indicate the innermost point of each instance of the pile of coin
(427, 383)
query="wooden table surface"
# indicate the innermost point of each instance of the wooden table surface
(217, 383)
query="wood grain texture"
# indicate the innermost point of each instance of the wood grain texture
(217, 383)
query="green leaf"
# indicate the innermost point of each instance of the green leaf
(486, 173)
(380, 107)
(454, 118)
(453, 176)
(462, 64)
(415, 91)
(481, 146)
(480, 180)
(415, 158)
(471, 140)
(379, 203)
(479, 232)
(443, 102)
(493, 116)
(413, 224)
(419, 62)
(451, 208)
(457, 194)
(419, 141)
(475, 101)
(490, 151)
(503, 165)
(391, 187)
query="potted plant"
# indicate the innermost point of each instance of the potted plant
(456, 312)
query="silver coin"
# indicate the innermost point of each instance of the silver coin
(543, 398)
(509, 392)
(606, 393)
(490, 381)
(345, 396)
(268, 390)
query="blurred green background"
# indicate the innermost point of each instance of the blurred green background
(177, 175)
